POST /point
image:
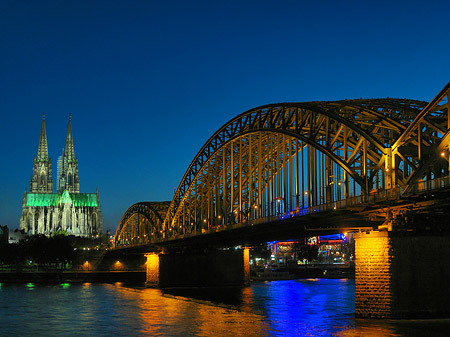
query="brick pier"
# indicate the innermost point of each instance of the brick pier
(402, 275)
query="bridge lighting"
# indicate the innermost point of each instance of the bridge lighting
(442, 154)
(306, 192)
(204, 220)
(219, 217)
(256, 206)
(339, 183)
(118, 265)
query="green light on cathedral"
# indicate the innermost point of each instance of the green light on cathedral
(55, 199)
(65, 198)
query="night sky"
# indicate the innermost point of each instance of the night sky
(148, 82)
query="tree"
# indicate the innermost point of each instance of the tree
(305, 251)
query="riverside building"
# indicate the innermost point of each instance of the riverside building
(67, 210)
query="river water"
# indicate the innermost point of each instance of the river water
(315, 307)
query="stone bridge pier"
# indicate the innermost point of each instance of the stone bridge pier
(209, 268)
(402, 274)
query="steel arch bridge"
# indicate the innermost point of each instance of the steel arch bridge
(286, 159)
(140, 223)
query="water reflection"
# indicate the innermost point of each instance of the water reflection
(409, 328)
(280, 308)
(312, 307)
(218, 295)
(189, 313)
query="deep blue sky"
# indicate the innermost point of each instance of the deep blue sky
(148, 82)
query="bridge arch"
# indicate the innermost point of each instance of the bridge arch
(140, 221)
(288, 158)
(354, 134)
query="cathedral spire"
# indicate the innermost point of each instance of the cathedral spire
(69, 151)
(68, 165)
(41, 180)
(42, 154)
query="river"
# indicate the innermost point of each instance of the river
(314, 307)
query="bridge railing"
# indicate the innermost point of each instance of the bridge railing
(430, 185)
(348, 203)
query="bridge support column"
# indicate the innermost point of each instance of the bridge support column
(152, 269)
(402, 275)
(193, 269)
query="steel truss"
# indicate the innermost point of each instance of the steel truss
(141, 223)
(284, 158)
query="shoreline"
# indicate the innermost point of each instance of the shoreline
(94, 276)
(53, 277)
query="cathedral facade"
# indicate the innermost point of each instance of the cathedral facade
(67, 210)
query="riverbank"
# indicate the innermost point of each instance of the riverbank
(81, 276)
(329, 271)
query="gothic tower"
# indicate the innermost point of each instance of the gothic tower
(41, 180)
(66, 212)
(68, 166)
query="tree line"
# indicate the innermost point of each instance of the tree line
(40, 253)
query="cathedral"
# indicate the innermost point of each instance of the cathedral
(67, 210)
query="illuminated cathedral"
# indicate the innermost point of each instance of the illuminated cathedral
(67, 210)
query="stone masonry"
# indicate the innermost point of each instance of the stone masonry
(372, 275)
(402, 275)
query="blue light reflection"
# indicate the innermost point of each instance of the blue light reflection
(315, 307)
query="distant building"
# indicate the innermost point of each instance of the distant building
(67, 210)
(16, 235)
(11, 236)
